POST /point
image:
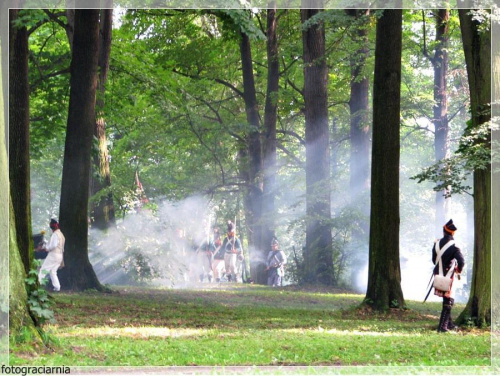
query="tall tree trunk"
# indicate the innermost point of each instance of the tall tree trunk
(384, 272)
(13, 296)
(5, 216)
(495, 186)
(78, 273)
(358, 104)
(269, 142)
(4, 32)
(477, 49)
(70, 26)
(440, 119)
(19, 316)
(19, 145)
(253, 199)
(318, 256)
(102, 211)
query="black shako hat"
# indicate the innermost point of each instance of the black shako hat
(274, 241)
(230, 226)
(449, 227)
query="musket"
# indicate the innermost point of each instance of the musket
(278, 265)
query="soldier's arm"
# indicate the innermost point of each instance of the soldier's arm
(460, 260)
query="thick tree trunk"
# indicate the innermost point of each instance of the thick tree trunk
(477, 49)
(253, 199)
(495, 186)
(384, 273)
(359, 108)
(440, 119)
(78, 273)
(19, 316)
(19, 146)
(269, 142)
(13, 296)
(4, 212)
(102, 212)
(318, 256)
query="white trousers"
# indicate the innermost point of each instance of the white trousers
(50, 266)
(231, 266)
(218, 268)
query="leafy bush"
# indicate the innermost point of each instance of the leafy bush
(39, 301)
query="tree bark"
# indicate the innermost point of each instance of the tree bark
(78, 273)
(19, 316)
(102, 211)
(253, 198)
(269, 142)
(5, 216)
(359, 108)
(13, 296)
(440, 119)
(318, 255)
(477, 49)
(19, 145)
(384, 272)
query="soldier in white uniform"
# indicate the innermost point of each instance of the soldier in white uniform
(55, 248)
(233, 253)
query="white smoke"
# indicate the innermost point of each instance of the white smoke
(157, 246)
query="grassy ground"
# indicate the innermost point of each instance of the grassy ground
(243, 325)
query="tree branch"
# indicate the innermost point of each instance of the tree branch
(225, 83)
(293, 134)
(295, 87)
(202, 142)
(424, 49)
(55, 17)
(290, 155)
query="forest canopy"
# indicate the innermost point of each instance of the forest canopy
(176, 122)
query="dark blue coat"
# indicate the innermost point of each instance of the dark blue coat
(451, 253)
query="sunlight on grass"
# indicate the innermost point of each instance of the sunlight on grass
(247, 326)
(134, 332)
(362, 332)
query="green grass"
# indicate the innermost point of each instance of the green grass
(247, 326)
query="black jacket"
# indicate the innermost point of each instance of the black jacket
(451, 253)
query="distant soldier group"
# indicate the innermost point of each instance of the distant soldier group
(223, 260)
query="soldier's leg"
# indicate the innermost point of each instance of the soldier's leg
(445, 316)
(451, 325)
(227, 261)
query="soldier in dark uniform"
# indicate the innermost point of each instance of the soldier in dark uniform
(40, 243)
(276, 260)
(451, 257)
(205, 253)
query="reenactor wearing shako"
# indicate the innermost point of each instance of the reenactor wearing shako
(205, 253)
(232, 251)
(276, 260)
(451, 257)
(218, 260)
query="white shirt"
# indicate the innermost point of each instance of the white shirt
(55, 241)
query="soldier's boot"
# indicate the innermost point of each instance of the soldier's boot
(451, 325)
(443, 320)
